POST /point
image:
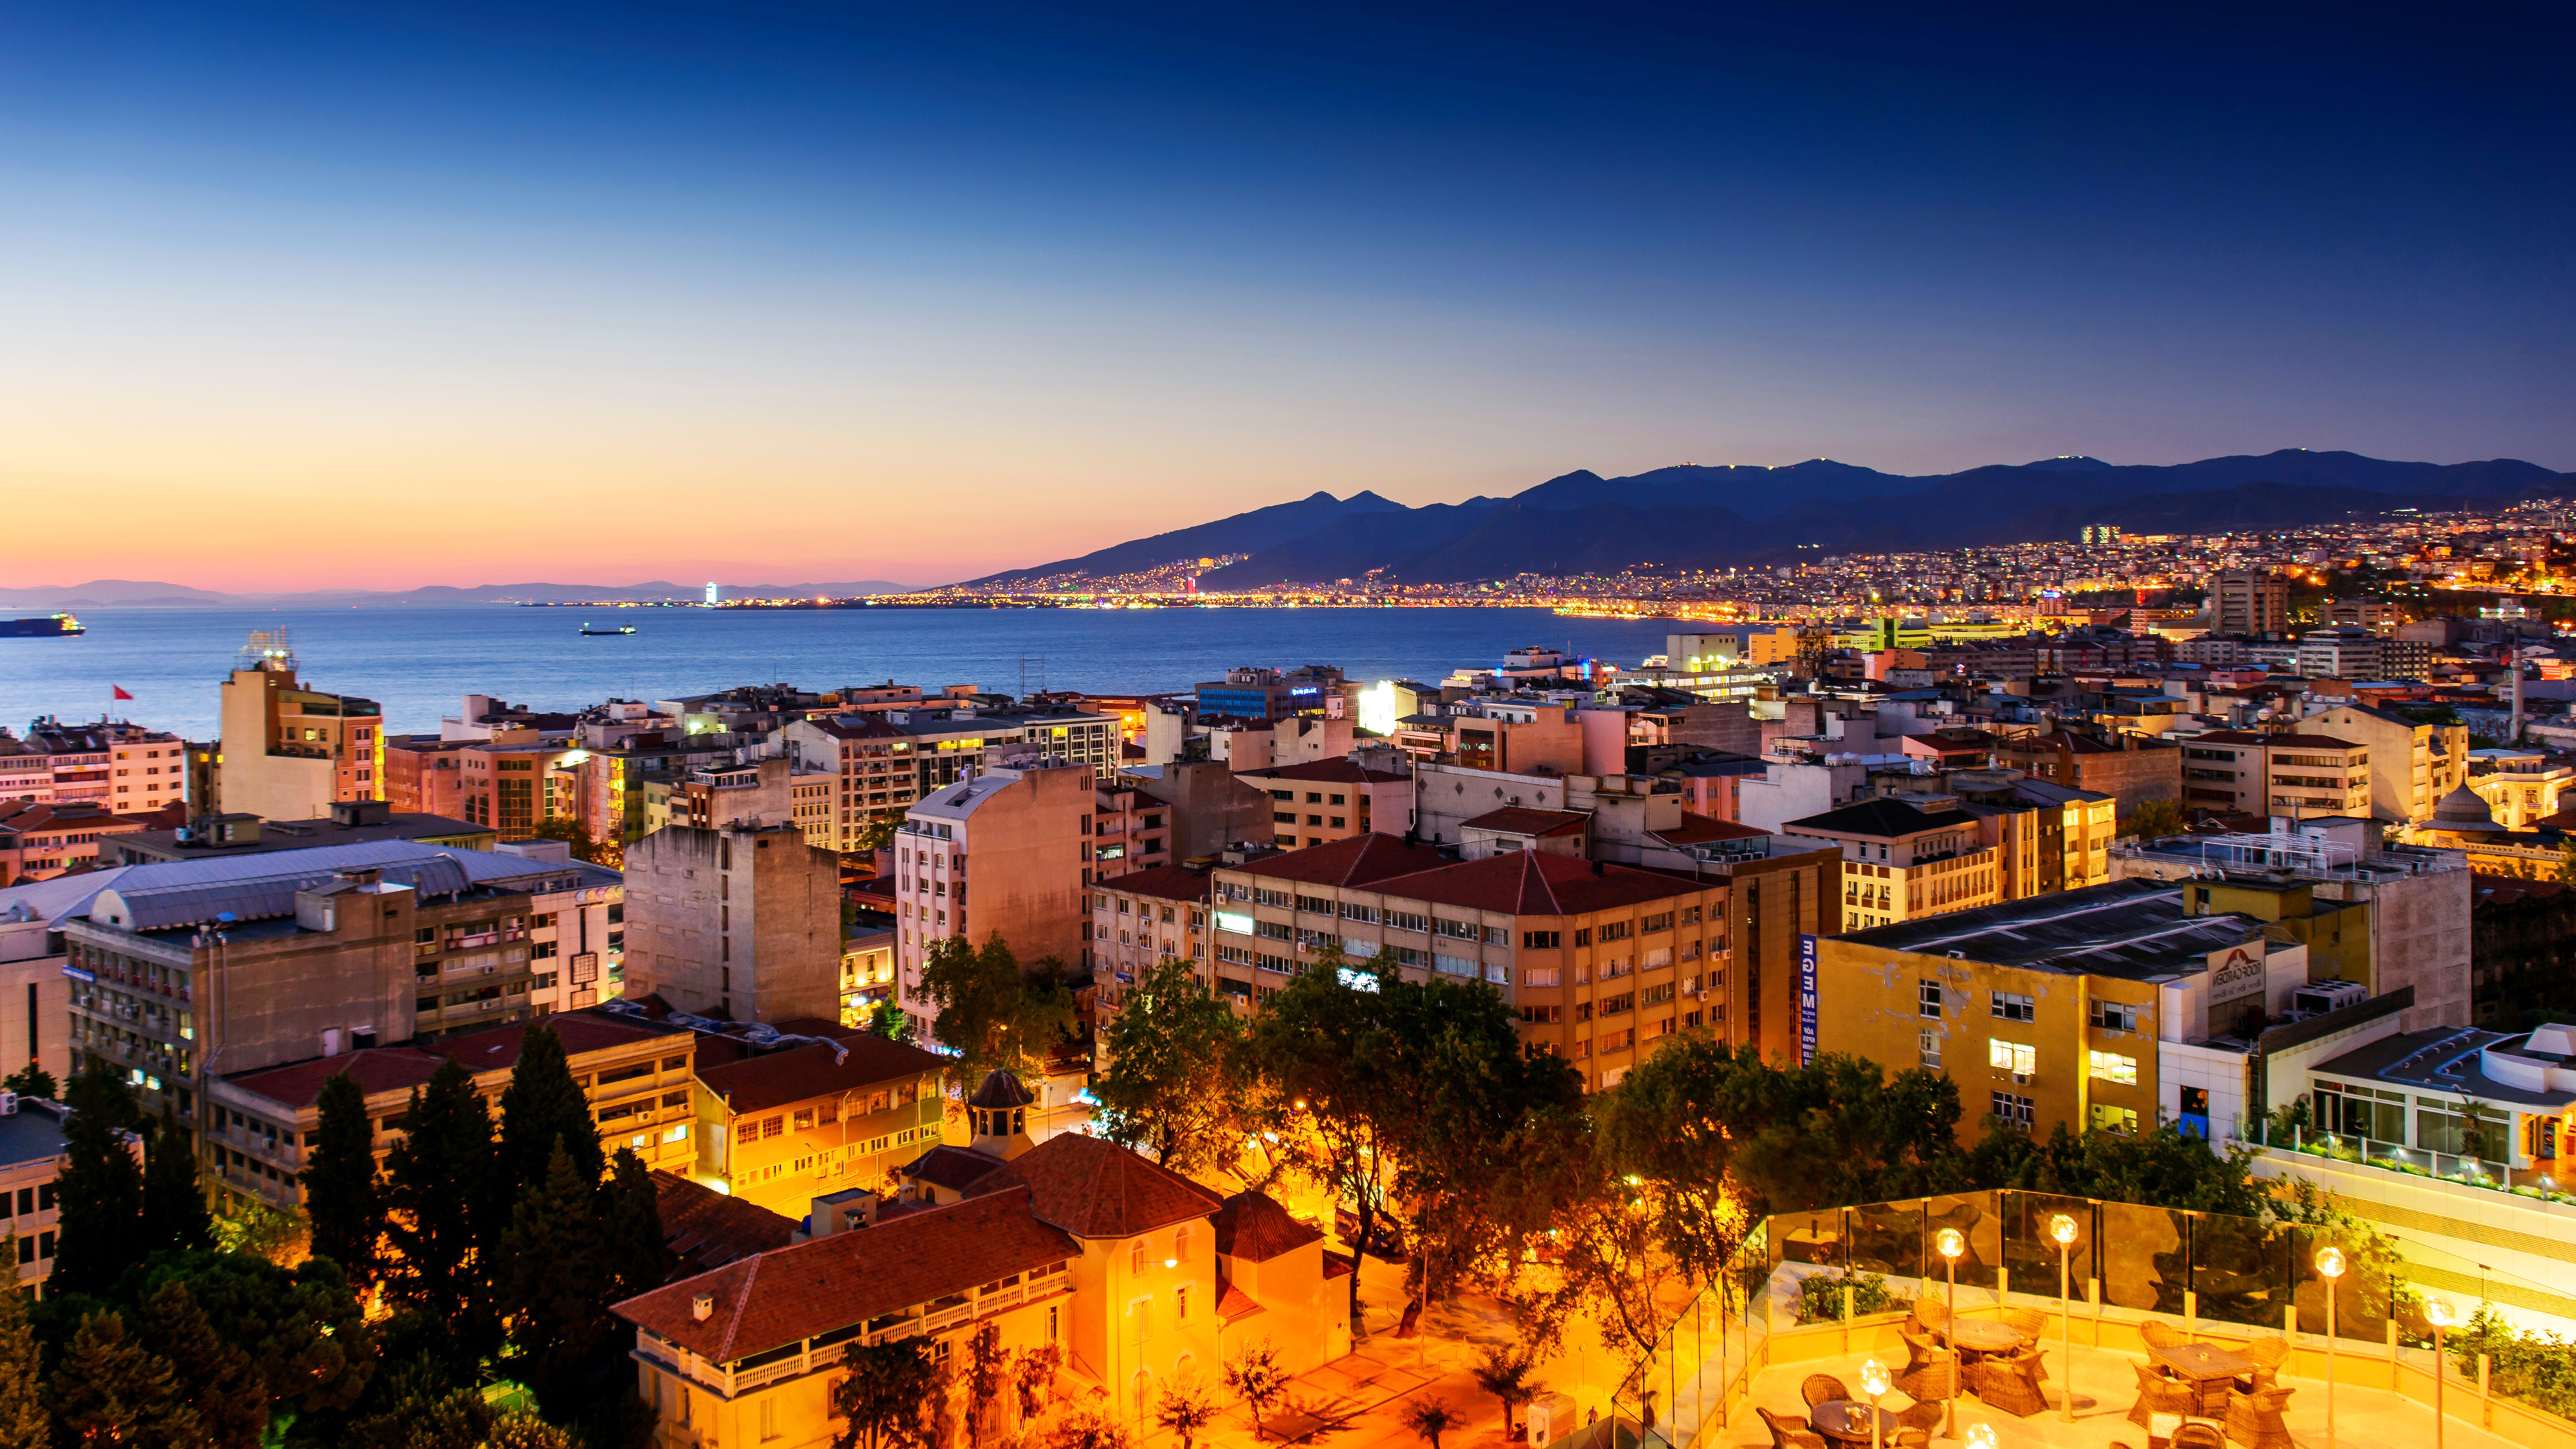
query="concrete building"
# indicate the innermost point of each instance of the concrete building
(2420, 902)
(1502, 735)
(2412, 765)
(186, 971)
(867, 974)
(2239, 772)
(1903, 860)
(1269, 694)
(2254, 602)
(1332, 800)
(35, 995)
(2132, 769)
(2522, 787)
(1143, 919)
(31, 1158)
(2109, 1007)
(119, 767)
(1209, 809)
(1027, 836)
(739, 922)
(351, 822)
(828, 1108)
(288, 752)
(42, 839)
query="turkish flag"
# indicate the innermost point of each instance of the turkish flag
(120, 691)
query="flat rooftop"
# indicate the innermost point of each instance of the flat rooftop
(2133, 929)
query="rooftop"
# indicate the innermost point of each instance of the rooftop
(1532, 883)
(1169, 882)
(1358, 861)
(1523, 820)
(33, 1133)
(1338, 772)
(2452, 1060)
(1879, 816)
(1096, 1189)
(2132, 929)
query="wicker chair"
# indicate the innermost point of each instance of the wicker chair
(1931, 1370)
(2197, 1436)
(1920, 1415)
(2010, 1382)
(1788, 1433)
(1822, 1389)
(2254, 1420)
(2158, 1394)
(2160, 1334)
(1932, 1313)
(2030, 1323)
(1912, 1438)
(2268, 1355)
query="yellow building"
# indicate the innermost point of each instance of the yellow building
(1902, 862)
(2107, 1007)
(288, 752)
(1138, 1275)
(781, 1123)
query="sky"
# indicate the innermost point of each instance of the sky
(387, 295)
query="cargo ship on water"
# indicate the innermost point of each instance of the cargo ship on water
(51, 626)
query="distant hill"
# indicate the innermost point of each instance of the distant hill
(115, 593)
(1694, 515)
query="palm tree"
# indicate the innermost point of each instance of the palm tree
(1505, 1374)
(1257, 1379)
(1185, 1412)
(1431, 1418)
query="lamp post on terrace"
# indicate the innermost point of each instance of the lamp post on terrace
(2330, 1266)
(2061, 1230)
(1950, 1244)
(2438, 1312)
(1873, 1382)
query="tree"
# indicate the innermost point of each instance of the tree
(876, 835)
(887, 1397)
(519, 1429)
(583, 847)
(302, 1328)
(1174, 1062)
(554, 1280)
(1185, 1411)
(2167, 1168)
(1504, 1372)
(342, 1199)
(435, 1181)
(891, 1022)
(23, 1424)
(1324, 1043)
(1257, 1379)
(174, 1205)
(991, 1012)
(1033, 1375)
(639, 1256)
(541, 1106)
(100, 1188)
(109, 1390)
(1087, 1429)
(30, 1080)
(987, 1373)
(216, 1377)
(1431, 1418)
(2153, 820)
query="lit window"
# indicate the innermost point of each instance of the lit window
(2011, 1056)
(2113, 1067)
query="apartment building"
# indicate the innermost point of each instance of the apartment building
(1142, 919)
(35, 995)
(2253, 602)
(288, 752)
(2132, 769)
(2239, 772)
(187, 971)
(351, 822)
(1269, 694)
(2412, 764)
(1904, 860)
(1027, 835)
(867, 974)
(31, 1158)
(1207, 809)
(2114, 1006)
(1603, 961)
(1504, 735)
(121, 768)
(1332, 800)
(741, 922)
(634, 1074)
(785, 1120)
(42, 839)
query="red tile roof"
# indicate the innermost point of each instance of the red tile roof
(707, 1229)
(954, 1168)
(1530, 883)
(298, 1085)
(1169, 882)
(1522, 820)
(812, 1288)
(1358, 861)
(1701, 829)
(1254, 1227)
(496, 1049)
(1097, 1189)
(1331, 772)
(755, 1081)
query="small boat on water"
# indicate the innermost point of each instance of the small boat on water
(51, 626)
(589, 632)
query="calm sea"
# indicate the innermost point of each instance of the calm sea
(420, 662)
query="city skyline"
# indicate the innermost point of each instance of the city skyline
(435, 298)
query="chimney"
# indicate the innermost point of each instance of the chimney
(702, 1307)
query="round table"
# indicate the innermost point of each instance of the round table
(1847, 1421)
(1983, 1335)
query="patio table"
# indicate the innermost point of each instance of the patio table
(1846, 1421)
(1982, 1335)
(2210, 1370)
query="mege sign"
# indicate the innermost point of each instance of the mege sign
(2234, 972)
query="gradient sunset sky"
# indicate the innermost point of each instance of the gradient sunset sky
(383, 295)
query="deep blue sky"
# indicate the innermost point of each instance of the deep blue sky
(388, 293)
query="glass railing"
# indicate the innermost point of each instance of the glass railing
(2540, 1182)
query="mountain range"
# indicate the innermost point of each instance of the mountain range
(105, 593)
(1698, 517)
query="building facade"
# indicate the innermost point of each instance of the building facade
(288, 752)
(2239, 772)
(1027, 836)
(740, 922)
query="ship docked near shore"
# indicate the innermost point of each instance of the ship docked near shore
(51, 626)
(589, 632)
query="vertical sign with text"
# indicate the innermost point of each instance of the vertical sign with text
(1806, 999)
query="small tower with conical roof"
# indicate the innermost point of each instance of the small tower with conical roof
(998, 1115)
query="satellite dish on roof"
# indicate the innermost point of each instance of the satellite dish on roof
(2262, 714)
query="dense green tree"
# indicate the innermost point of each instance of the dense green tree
(581, 844)
(1174, 1087)
(638, 1255)
(888, 1398)
(436, 1185)
(891, 1022)
(419, 1404)
(23, 1422)
(1323, 1040)
(174, 1204)
(2167, 1167)
(343, 1199)
(100, 1189)
(216, 1377)
(519, 1429)
(111, 1390)
(553, 1283)
(990, 1011)
(31, 1080)
(2153, 820)
(541, 1106)
(302, 1327)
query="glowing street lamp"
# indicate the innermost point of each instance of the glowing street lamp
(2330, 1266)
(1873, 1382)
(2061, 1231)
(1981, 1436)
(1950, 1244)
(2438, 1312)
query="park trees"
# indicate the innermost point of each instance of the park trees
(891, 1397)
(100, 1188)
(342, 1198)
(994, 1014)
(1176, 1085)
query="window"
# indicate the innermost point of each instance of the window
(2012, 1006)
(2014, 1110)
(1365, 915)
(1136, 1257)
(772, 1126)
(1407, 921)
(2123, 1120)
(1181, 1304)
(1181, 1244)
(1539, 940)
(1539, 976)
(2113, 1067)
(2011, 1056)
(2117, 1015)
(1927, 1000)
(1615, 931)
(1928, 1050)
(804, 1118)
(746, 1132)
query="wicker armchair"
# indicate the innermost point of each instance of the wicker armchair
(2197, 1436)
(1788, 1433)
(1912, 1439)
(2030, 1323)
(1920, 1415)
(2010, 1382)
(1822, 1389)
(1932, 1313)
(2268, 1355)
(1931, 1370)
(2157, 1394)
(2160, 1334)
(2254, 1420)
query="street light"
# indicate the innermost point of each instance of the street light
(2061, 1230)
(2437, 1312)
(1950, 1244)
(1873, 1382)
(2330, 1267)
(1981, 1436)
